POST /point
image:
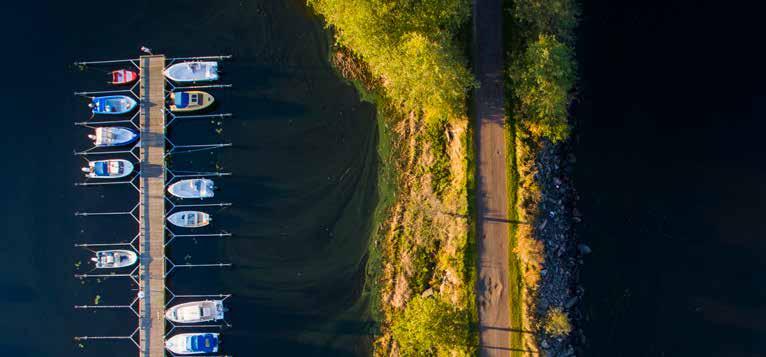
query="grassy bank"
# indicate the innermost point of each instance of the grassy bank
(515, 285)
(405, 57)
(539, 39)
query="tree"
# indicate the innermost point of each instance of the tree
(542, 80)
(428, 322)
(409, 45)
(557, 17)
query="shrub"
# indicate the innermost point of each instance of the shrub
(428, 322)
(557, 323)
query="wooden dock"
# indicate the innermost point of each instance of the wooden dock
(152, 208)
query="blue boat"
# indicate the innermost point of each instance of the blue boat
(113, 104)
(193, 343)
(106, 169)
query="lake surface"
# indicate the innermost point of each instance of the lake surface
(304, 166)
(672, 178)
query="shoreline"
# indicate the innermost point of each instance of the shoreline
(424, 272)
(559, 284)
(538, 43)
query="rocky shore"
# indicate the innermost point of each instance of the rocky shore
(554, 227)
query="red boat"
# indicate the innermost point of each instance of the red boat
(123, 76)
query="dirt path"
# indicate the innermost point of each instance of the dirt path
(493, 227)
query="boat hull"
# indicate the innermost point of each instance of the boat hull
(189, 219)
(196, 71)
(196, 312)
(109, 169)
(192, 188)
(123, 76)
(190, 101)
(115, 259)
(113, 104)
(193, 343)
(114, 136)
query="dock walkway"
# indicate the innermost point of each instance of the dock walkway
(152, 208)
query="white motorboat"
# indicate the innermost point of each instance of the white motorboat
(113, 136)
(114, 168)
(196, 71)
(116, 258)
(193, 343)
(192, 188)
(196, 311)
(190, 219)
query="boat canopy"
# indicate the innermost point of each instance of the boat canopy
(192, 188)
(101, 168)
(181, 99)
(203, 343)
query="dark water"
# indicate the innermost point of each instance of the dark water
(303, 188)
(672, 178)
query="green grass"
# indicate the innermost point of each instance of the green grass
(514, 266)
(469, 258)
(440, 169)
(386, 197)
(515, 283)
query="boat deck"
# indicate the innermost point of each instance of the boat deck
(152, 208)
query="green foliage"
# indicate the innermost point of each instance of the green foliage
(557, 323)
(541, 81)
(556, 17)
(440, 168)
(409, 44)
(428, 323)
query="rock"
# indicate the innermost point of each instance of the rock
(571, 302)
(584, 249)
